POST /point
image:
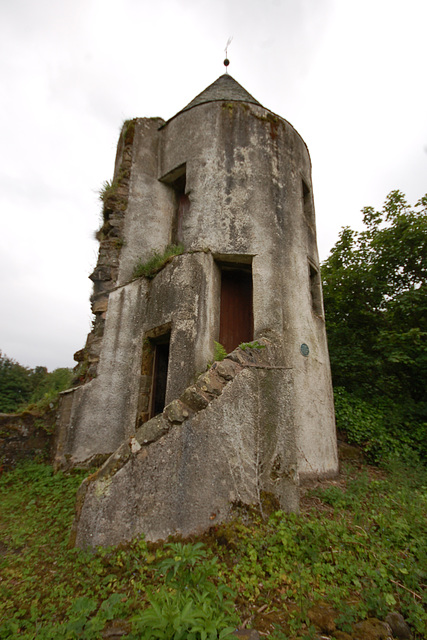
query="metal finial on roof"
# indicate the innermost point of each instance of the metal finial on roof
(227, 61)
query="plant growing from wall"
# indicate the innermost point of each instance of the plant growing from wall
(251, 345)
(220, 354)
(108, 190)
(157, 261)
(112, 194)
(128, 131)
(219, 351)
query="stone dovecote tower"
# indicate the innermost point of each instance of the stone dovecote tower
(230, 183)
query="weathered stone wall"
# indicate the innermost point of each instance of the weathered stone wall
(97, 416)
(111, 236)
(150, 205)
(104, 411)
(226, 440)
(25, 436)
(246, 171)
(247, 176)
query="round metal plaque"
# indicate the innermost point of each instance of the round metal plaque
(304, 349)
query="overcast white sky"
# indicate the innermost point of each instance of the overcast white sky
(349, 75)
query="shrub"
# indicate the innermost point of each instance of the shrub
(379, 426)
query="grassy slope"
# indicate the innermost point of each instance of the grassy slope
(358, 549)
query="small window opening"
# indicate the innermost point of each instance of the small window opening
(183, 206)
(236, 314)
(307, 204)
(160, 376)
(176, 180)
(315, 290)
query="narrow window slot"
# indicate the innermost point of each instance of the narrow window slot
(315, 290)
(160, 376)
(182, 208)
(307, 204)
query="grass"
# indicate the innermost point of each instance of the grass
(108, 189)
(357, 549)
(157, 261)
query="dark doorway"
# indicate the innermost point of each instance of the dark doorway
(160, 376)
(236, 317)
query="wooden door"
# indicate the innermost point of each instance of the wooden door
(236, 317)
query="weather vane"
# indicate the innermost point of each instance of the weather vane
(227, 61)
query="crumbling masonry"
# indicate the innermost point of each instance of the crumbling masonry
(227, 183)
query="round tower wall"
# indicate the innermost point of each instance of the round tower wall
(248, 179)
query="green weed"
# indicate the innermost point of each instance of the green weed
(361, 550)
(251, 345)
(108, 190)
(157, 261)
(192, 603)
(219, 352)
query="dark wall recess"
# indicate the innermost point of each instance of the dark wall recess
(176, 179)
(160, 376)
(315, 290)
(154, 371)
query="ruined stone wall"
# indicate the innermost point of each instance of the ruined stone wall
(98, 415)
(25, 436)
(114, 197)
(248, 181)
(225, 441)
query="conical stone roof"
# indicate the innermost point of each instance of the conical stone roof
(224, 89)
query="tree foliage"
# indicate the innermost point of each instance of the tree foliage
(375, 296)
(20, 386)
(15, 387)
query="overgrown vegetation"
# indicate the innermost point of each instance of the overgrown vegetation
(22, 388)
(380, 426)
(191, 603)
(251, 345)
(128, 131)
(375, 298)
(357, 550)
(157, 261)
(108, 190)
(220, 351)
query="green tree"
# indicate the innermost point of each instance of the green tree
(375, 295)
(20, 386)
(49, 383)
(15, 386)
